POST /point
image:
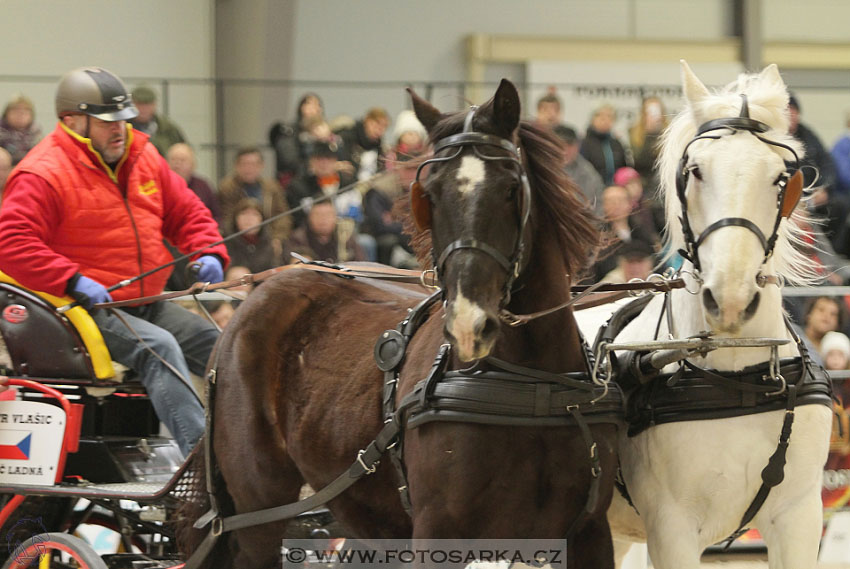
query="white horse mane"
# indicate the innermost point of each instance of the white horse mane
(768, 101)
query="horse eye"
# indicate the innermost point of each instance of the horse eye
(697, 174)
(780, 180)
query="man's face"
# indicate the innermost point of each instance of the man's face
(823, 317)
(249, 167)
(181, 160)
(636, 267)
(108, 138)
(19, 117)
(615, 203)
(322, 219)
(375, 129)
(322, 165)
(549, 113)
(146, 112)
(249, 217)
(603, 120)
(570, 152)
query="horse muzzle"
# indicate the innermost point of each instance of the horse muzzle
(728, 312)
(472, 330)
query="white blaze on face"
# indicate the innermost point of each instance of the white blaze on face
(467, 318)
(470, 174)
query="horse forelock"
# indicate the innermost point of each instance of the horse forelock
(559, 209)
(767, 101)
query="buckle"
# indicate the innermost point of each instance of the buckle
(366, 469)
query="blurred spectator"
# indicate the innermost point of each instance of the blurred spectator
(841, 158)
(818, 172)
(634, 261)
(618, 227)
(392, 244)
(548, 110)
(362, 144)
(162, 131)
(288, 141)
(579, 169)
(252, 249)
(647, 213)
(601, 148)
(181, 159)
(234, 272)
(644, 136)
(18, 131)
(822, 314)
(246, 181)
(835, 351)
(5, 168)
(322, 178)
(322, 238)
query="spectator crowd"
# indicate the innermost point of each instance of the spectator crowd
(316, 156)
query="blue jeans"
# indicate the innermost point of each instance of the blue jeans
(181, 338)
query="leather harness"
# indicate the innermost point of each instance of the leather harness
(694, 393)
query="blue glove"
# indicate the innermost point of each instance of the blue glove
(210, 269)
(88, 292)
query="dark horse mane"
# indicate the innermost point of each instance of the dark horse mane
(560, 209)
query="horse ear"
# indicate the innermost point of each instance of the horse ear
(694, 89)
(506, 108)
(771, 74)
(427, 114)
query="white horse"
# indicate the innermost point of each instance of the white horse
(692, 481)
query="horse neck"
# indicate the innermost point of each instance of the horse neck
(552, 342)
(768, 322)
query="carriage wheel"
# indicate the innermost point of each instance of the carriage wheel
(55, 550)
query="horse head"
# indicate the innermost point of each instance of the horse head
(475, 201)
(729, 190)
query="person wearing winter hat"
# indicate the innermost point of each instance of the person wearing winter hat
(646, 211)
(835, 349)
(163, 132)
(409, 136)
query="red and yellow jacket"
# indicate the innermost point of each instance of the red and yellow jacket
(65, 211)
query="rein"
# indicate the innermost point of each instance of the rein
(426, 279)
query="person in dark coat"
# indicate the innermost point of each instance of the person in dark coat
(290, 140)
(252, 249)
(601, 148)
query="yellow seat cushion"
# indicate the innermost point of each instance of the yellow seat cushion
(83, 322)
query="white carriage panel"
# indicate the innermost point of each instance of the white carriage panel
(31, 435)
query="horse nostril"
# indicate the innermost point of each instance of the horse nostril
(710, 303)
(489, 328)
(752, 306)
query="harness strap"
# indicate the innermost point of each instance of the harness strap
(595, 471)
(366, 463)
(772, 474)
(731, 222)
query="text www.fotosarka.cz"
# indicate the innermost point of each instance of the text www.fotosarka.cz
(424, 553)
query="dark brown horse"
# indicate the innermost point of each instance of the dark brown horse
(298, 391)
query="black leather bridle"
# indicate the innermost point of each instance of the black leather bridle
(469, 138)
(744, 123)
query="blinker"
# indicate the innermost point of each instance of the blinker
(793, 193)
(420, 206)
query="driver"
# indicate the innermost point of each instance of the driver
(89, 207)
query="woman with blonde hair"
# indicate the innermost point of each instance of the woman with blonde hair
(644, 137)
(18, 131)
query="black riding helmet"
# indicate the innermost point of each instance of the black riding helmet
(95, 92)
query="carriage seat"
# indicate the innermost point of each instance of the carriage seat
(42, 343)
